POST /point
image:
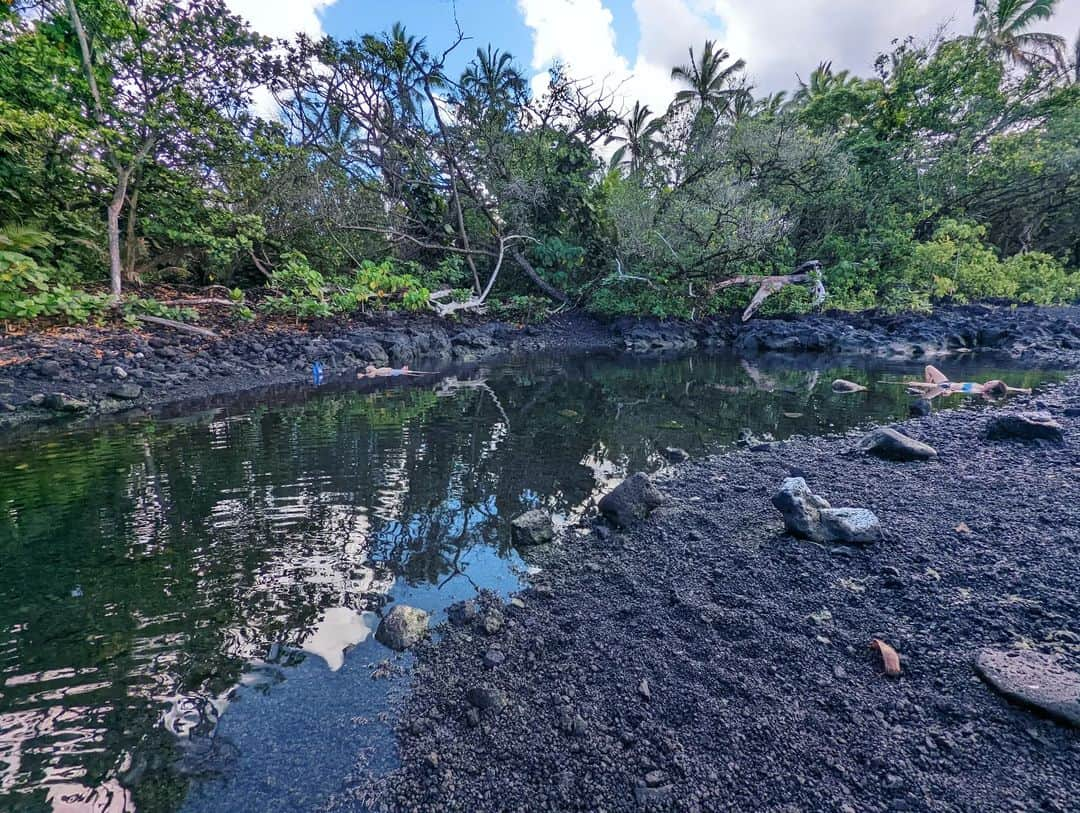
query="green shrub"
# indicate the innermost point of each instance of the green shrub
(1041, 280)
(303, 292)
(30, 289)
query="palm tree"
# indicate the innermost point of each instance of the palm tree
(771, 105)
(492, 79)
(823, 80)
(1003, 26)
(709, 83)
(636, 135)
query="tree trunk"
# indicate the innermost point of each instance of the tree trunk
(131, 277)
(116, 265)
(537, 280)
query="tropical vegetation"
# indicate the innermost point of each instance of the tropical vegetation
(147, 143)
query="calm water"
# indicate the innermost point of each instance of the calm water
(187, 606)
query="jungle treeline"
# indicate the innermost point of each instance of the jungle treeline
(146, 143)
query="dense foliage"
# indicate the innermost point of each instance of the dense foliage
(130, 154)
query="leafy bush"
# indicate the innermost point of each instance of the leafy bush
(304, 292)
(1042, 280)
(30, 289)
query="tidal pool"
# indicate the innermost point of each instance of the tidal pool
(187, 605)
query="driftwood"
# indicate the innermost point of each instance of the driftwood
(180, 326)
(208, 300)
(805, 273)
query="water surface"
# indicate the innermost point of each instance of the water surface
(187, 606)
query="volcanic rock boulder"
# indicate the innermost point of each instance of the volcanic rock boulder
(811, 517)
(632, 501)
(1034, 680)
(532, 528)
(402, 627)
(1024, 426)
(885, 442)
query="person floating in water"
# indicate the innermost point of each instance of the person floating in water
(371, 371)
(936, 383)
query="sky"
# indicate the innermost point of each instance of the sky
(632, 44)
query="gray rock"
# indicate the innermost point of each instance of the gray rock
(887, 443)
(462, 613)
(849, 526)
(532, 528)
(59, 402)
(1035, 680)
(1024, 426)
(920, 408)
(125, 391)
(800, 506)
(492, 622)
(486, 697)
(842, 385)
(673, 454)
(50, 368)
(402, 627)
(632, 501)
(494, 658)
(811, 517)
(119, 372)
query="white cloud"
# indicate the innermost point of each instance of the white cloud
(282, 19)
(780, 39)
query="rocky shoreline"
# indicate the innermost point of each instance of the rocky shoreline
(705, 660)
(92, 371)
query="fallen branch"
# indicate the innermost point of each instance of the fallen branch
(208, 300)
(180, 326)
(770, 285)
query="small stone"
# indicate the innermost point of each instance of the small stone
(493, 621)
(486, 697)
(920, 408)
(37, 399)
(673, 454)
(631, 501)
(119, 372)
(50, 368)
(125, 391)
(578, 726)
(517, 603)
(462, 613)
(885, 442)
(646, 796)
(59, 402)
(644, 689)
(1025, 426)
(532, 528)
(1034, 680)
(402, 627)
(655, 779)
(432, 760)
(494, 658)
(472, 717)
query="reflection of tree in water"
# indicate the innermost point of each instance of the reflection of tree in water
(151, 564)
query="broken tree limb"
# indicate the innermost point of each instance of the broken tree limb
(767, 286)
(207, 300)
(179, 326)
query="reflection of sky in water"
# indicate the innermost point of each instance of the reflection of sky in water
(187, 607)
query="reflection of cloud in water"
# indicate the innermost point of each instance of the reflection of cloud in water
(339, 629)
(109, 797)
